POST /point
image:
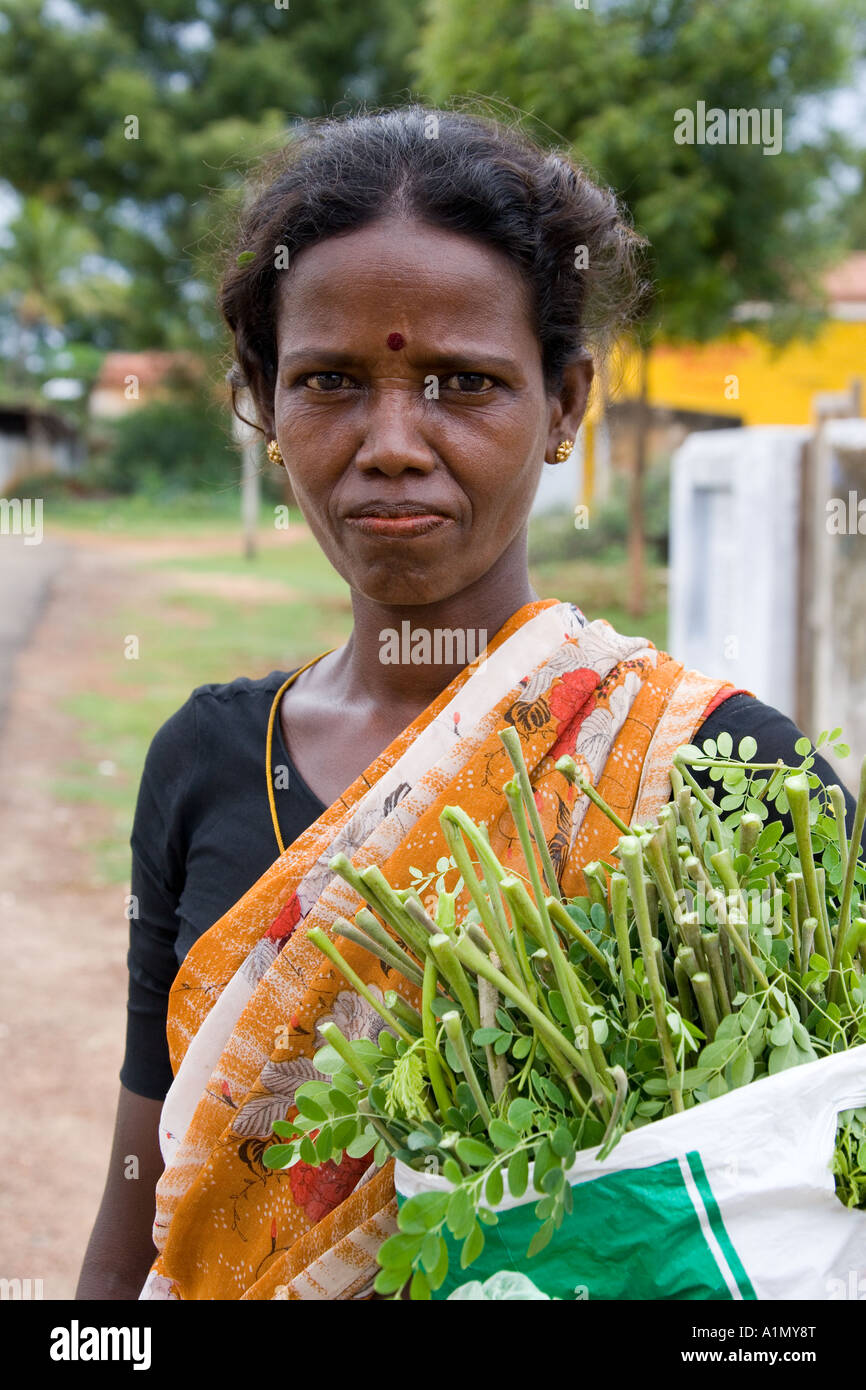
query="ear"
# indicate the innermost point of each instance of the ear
(568, 405)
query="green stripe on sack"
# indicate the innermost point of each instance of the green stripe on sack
(717, 1225)
(632, 1235)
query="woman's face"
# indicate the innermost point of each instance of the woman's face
(409, 380)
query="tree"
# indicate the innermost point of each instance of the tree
(727, 223)
(135, 115)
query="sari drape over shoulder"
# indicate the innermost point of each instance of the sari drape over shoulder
(245, 1009)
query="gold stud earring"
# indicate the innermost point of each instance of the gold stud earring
(274, 452)
(563, 449)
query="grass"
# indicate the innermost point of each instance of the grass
(139, 515)
(186, 639)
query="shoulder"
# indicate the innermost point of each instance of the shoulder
(742, 714)
(213, 700)
(202, 723)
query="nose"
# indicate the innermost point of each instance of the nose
(393, 439)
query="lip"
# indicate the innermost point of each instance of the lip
(400, 527)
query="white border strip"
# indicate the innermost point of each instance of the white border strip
(709, 1235)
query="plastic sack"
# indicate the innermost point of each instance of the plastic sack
(732, 1199)
(503, 1285)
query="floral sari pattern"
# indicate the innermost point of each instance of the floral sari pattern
(252, 994)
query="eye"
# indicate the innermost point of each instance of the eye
(328, 381)
(472, 383)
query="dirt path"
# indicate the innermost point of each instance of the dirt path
(63, 983)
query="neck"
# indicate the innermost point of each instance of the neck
(473, 616)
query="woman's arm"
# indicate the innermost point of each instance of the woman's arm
(121, 1249)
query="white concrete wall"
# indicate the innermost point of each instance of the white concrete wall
(733, 560)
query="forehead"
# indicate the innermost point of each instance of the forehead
(398, 274)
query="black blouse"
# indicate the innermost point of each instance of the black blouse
(202, 834)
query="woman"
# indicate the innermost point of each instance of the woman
(413, 323)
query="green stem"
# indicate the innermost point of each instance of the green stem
(619, 912)
(428, 1027)
(327, 947)
(713, 953)
(401, 961)
(703, 988)
(454, 1033)
(511, 740)
(705, 800)
(452, 821)
(631, 858)
(335, 1039)
(559, 915)
(497, 1067)
(475, 960)
(850, 870)
(795, 923)
(442, 949)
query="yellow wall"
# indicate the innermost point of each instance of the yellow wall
(773, 389)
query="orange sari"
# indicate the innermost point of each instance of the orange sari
(247, 1002)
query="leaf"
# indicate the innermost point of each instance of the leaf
(545, 1159)
(542, 1237)
(419, 1289)
(308, 1108)
(245, 257)
(783, 1057)
(520, 1114)
(452, 1172)
(518, 1173)
(494, 1187)
(328, 1061)
(484, 1036)
(561, 1143)
(438, 1275)
(390, 1280)
(747, 748)
(728, 1028)
(472, 1246)
(502, 1044)
(308, 1152)
(398, 1251)
(502, 1135)
(521, 1048)
(717, 1054)
(725, 744)
(343, 1133)
(741, 1069)
(278, 1155)
(803, 746)
(598, 917)
(460, 1215)
(362, 1144)
(430, 1251)
(473, 1152)
(419, 1139)
(423, 1211)
(782, 1032)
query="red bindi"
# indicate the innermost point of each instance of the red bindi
(396, 341)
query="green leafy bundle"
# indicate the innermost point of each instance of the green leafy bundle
(715, 950)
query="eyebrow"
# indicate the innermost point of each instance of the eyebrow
(331, 357)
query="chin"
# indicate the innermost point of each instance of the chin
(388, 584)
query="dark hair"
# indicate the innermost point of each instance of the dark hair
(451, 169)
